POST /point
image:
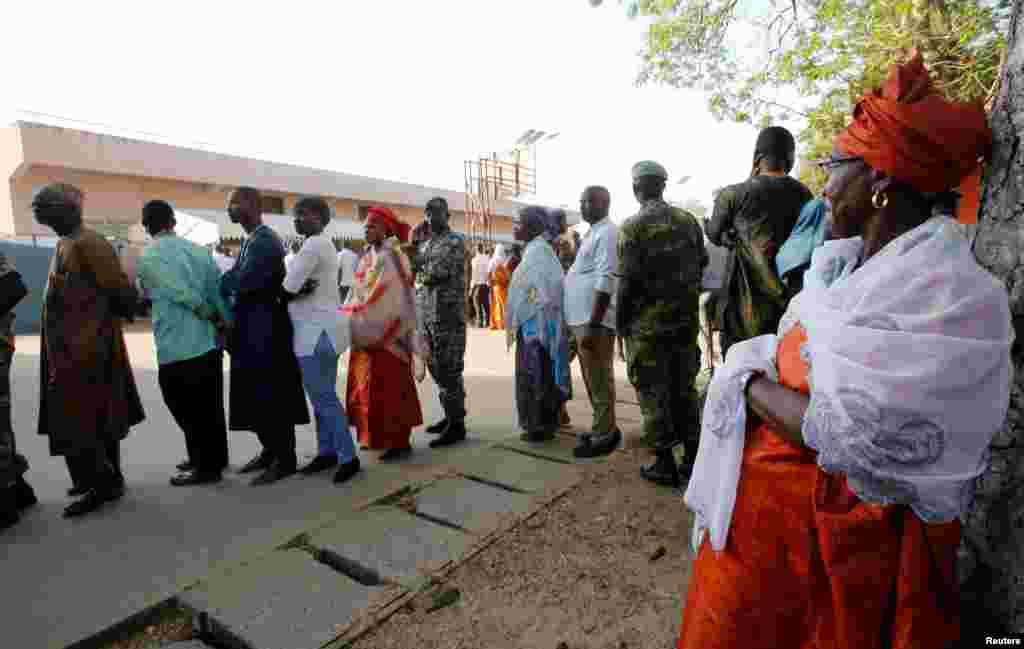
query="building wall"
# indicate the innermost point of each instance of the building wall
(119, 175)
(119, 199)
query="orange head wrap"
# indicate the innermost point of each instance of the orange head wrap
(908, 131)
(384, 217)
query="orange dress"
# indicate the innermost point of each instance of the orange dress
(499, 295)
(807, 564)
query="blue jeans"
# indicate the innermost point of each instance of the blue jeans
(320, 377)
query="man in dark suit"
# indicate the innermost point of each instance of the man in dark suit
(266, 394)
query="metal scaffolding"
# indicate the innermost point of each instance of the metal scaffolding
(490, 180)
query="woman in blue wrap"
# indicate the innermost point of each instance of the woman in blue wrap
(533, 318)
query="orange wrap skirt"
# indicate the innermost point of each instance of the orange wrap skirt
(807, 564)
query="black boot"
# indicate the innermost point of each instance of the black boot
(8, 508)
(453, 434)
(663, 471)
(437, 428)
(24, 495)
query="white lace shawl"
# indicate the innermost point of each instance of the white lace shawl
(910, 374)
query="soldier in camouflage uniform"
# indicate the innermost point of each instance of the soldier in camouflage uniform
(661, 261)
(15, 493)
(440, 268)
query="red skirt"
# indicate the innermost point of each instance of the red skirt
(382, 401)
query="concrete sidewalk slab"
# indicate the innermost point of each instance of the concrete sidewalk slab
(393, 543)
(285, 600)
(558, 449)
(523, 472)
(475, 507)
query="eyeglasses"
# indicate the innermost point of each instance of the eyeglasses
(828, 164)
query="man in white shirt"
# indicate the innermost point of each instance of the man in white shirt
(311, 289)
(294, 250)
(481, 291)
(347, 262)
(590, 288)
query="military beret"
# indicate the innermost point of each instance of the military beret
(649, 168)
(58, 193)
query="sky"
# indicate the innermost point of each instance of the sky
(405, 90)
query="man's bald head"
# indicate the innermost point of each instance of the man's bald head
(245, 207)
(594, 203)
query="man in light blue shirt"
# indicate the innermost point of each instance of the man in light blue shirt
(189, 316)
(590, 288)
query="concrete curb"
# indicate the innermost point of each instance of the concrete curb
(379, 612)
(372, 619)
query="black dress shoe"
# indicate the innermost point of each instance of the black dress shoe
(92, 500)
(597, 445)
(346, 471)
(258, 463)
(319, 463)
(437, 428)
(75, 492)
(663, 471)
(9, 519)
(395, 453)
(8, 508)
(454, 434)
(537, 437)
(272, 475)
(196, 477)
(24, 495)
(185, 465)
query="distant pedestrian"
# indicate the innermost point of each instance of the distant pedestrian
(382, 400)
(15, 493)
(441, 309)
(189, 318)
(266, 394)
(535, 322)
(312, 294)
(88, 400)
(481, 290)
(223, 259)
(499, 275)
(661, 263)
(347, 262)
(590, 289)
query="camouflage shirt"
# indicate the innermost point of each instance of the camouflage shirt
(661, 262)
(440, 269)
(7, 319)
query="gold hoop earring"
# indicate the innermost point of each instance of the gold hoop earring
(880, 203)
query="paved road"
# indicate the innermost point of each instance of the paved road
(65, 580)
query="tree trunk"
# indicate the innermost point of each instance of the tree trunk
(992, 555)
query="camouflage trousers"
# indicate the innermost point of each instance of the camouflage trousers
(12, 464)
(446, 363)
(663, 370)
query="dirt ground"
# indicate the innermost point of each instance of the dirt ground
(605, 567)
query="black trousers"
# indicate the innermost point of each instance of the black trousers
(97, 468)
(280, 444)
(193, 390)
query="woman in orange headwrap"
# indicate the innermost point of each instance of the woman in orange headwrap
(382, 401)
(830, 518)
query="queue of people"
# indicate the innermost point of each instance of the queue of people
(867, 366)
